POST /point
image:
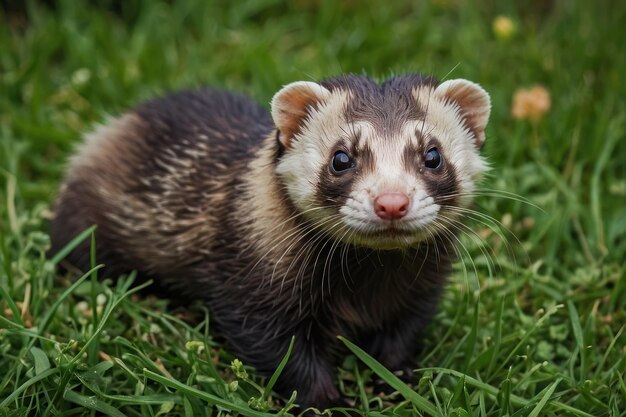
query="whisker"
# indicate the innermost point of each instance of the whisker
(450, 235)
(486, 192)
(495, 226)
(333, 248)
(317, 258)
(316, 235)
(468, 231)
(284, 236)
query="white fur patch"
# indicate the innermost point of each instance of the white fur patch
(311, 150)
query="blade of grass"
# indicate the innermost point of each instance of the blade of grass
(497, 338)
(517, 400)
(279, 370)
(420, 402)
(544, 399)
(608, 350)
(578, 334)
(73, 244)
(189, 411)
(622, 384)
(140, 356)
(17, 329)
(211, 399)
(26, 385)
(433, 392)
(40, 359)
(92, 403)
(456, 396)
(551, 311)
(92, 354)
(471, 342)
(43, 325)
(11, 212)
(50, 313)
(615, 132)
(151, 399)
(15, 312)
(504, 397)
(113, 303)
(361, 388)
(105, 317)
(6, 263)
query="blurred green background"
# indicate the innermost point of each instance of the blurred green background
(67, 65)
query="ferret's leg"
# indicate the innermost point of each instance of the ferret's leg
(396, 346)
(308, 371)
(311, 375)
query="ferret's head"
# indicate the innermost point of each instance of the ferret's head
(384, 166)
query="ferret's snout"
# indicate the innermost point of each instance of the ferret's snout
(391, 206)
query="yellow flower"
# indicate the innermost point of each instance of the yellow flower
(503, 27)
(531, 103)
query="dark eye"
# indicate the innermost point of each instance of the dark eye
(432, 159)
(340, 163)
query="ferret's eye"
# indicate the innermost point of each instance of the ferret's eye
(340, 163)
(432, 159)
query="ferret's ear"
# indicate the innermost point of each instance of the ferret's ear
(292, 105)
(474, 104)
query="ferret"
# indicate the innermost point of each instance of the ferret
(334, 214)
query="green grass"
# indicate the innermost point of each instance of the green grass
(530, 325)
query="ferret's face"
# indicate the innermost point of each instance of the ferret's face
(383, 166)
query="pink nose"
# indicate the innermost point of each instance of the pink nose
(391, 206)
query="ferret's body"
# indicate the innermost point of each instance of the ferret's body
(319, 220)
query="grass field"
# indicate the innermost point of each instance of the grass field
(532, 323)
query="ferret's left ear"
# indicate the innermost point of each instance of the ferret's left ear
(474, 104)
(292, 105)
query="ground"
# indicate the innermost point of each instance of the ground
(532, 322)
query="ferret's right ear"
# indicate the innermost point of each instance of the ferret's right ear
(474, 105)
(292, 105)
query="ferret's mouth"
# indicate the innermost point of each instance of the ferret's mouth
(389, 233)
(390, 238)
(363, 229)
